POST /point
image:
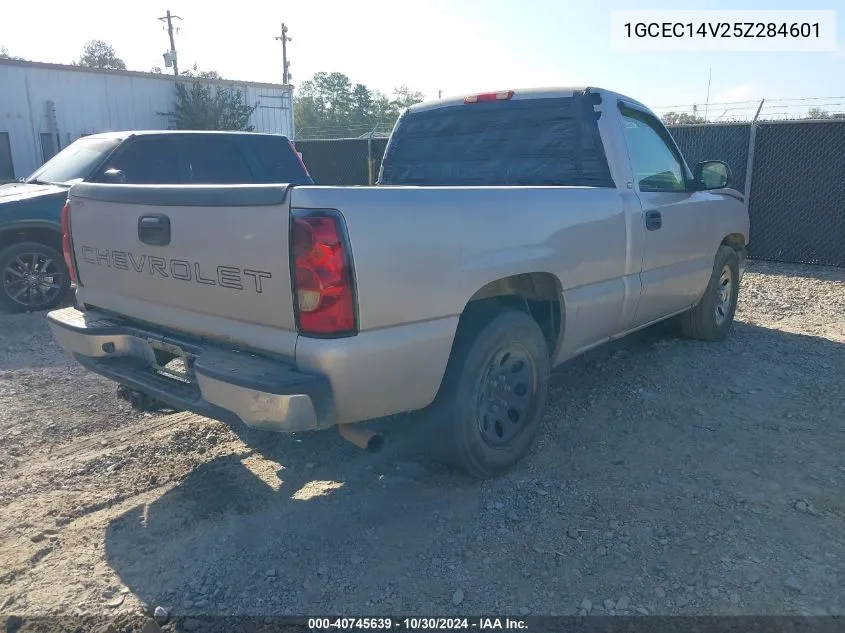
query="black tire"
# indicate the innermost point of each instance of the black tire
(711, 318)
(21, 293)
(510, 345)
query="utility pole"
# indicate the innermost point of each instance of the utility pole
(286, 76)
(170, 56)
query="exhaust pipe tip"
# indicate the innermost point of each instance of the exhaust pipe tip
(375, 444)
(362, 437)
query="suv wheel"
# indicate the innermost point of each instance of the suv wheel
(33, 277)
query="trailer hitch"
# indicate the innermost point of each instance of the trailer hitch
(139, 400)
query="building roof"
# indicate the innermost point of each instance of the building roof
(127, 133)
(135, 73)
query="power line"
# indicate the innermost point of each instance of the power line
(754, 102)
(170, 56)
(286, 76)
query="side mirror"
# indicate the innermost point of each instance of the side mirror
(114, 176)
(712, 174)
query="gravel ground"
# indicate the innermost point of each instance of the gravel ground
(671, 477)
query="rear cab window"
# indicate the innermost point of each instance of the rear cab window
(551, 141)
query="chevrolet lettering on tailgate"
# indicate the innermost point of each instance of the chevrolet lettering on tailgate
(180, 269)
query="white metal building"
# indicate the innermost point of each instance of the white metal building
(45, 107)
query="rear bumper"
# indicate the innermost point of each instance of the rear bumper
(228, 385)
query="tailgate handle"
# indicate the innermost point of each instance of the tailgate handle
(154, 229)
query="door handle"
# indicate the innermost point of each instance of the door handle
(154, 229)
(653, 220)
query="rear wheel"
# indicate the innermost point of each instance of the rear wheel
(33, 277)
(487, 413)
(711, 318)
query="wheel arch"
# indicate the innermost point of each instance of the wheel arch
(734, 240)
(539, 294)
(45, 233)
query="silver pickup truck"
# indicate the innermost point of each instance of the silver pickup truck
(510, 231)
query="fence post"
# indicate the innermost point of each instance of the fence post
(749, 165)
(370, 159)
(370, 156)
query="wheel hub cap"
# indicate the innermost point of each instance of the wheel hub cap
(31, 280)
(725, 291)
(505, 395)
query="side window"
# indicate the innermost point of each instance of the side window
(656, 166)
(146, 161)
(213, 161)
(278, 161)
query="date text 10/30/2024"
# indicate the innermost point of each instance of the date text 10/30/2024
(416, 624)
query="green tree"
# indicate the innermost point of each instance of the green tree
(309, 108)
(818, 113)
(4, 54)
(681, 118)
(363, 106)
(335, 90)
(329, 105)
(198, 106)
(403, 97)
(202, 74)
(99, 54)
(386, 111)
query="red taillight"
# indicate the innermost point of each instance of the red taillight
(489, 96)
(67, 249)
(299, 157)
(322, 279)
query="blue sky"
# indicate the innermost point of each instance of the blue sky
(456, 46)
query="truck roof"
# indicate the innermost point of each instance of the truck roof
(127, 133)
(526, 93)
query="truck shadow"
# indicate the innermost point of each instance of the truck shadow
(312, 524)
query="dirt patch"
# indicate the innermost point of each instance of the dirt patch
(671, 477)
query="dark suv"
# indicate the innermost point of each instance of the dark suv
(33, 275)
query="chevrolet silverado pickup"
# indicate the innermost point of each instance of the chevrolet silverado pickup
(33, 274)
(508, 232)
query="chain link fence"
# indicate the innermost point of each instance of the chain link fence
(798, 193)
(348, 161)
(797, 189)
(727, 142)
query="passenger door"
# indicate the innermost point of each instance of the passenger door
(675, 268)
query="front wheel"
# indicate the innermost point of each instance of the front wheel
(487, 413)
(33, 277)
(712, 316)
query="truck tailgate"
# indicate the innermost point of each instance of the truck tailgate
(211, 261)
